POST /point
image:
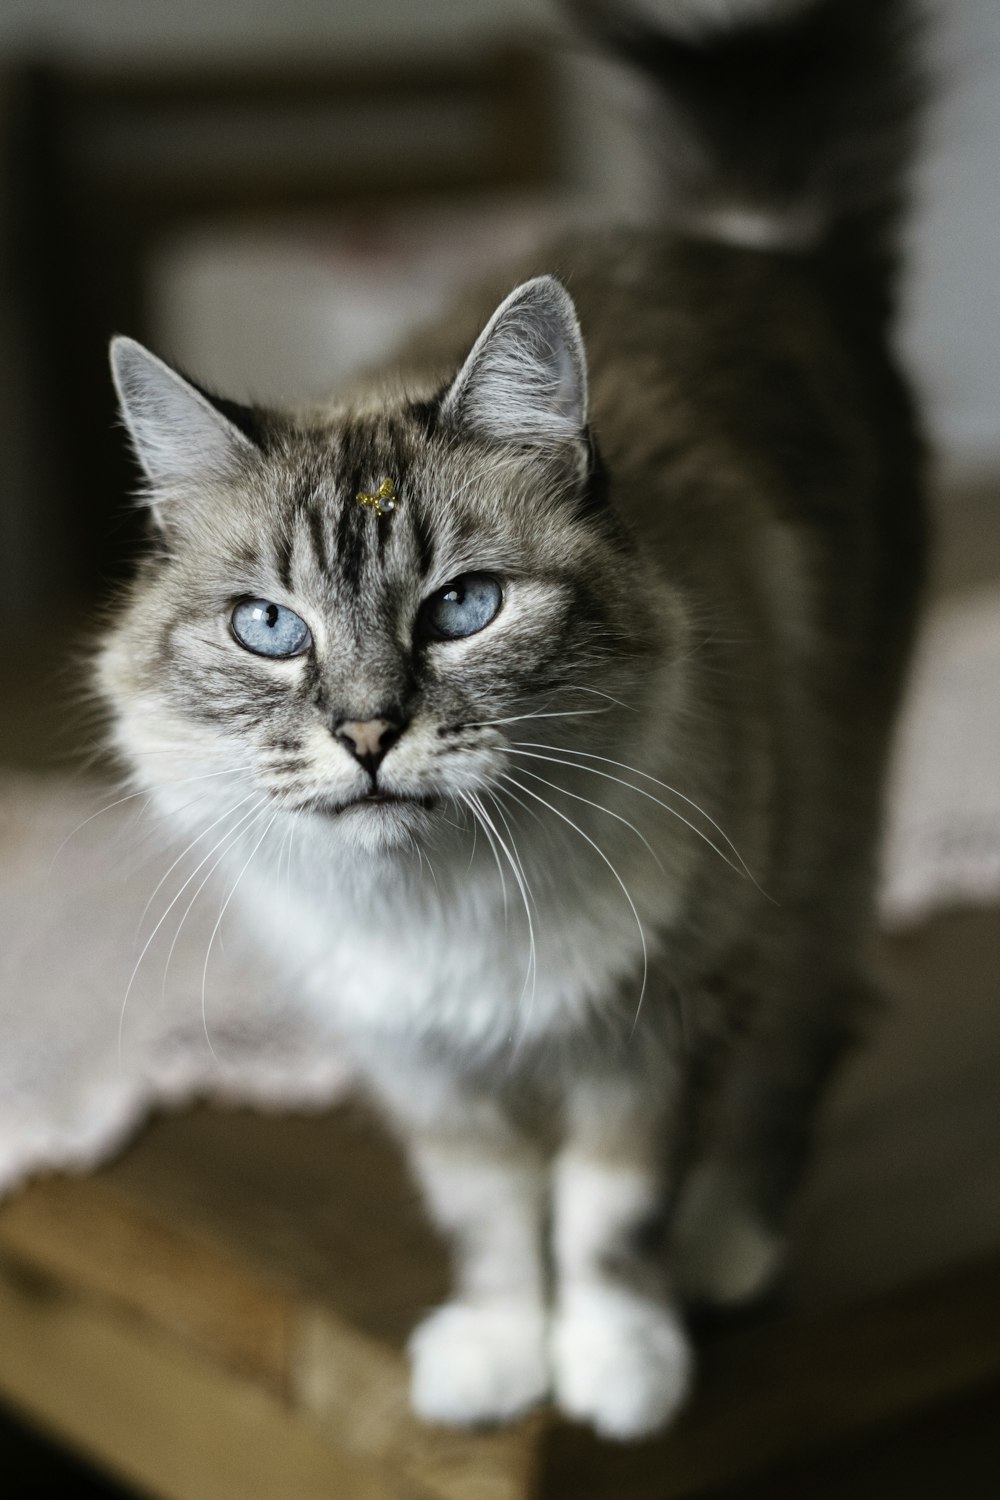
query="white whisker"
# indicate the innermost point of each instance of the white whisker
(129, 797)
(530, 811)
(128, 990)
(522, 884)
(218, 924)
(187, 910)
(576, 687)
(600, 808)
(742, 868)
(294, 829)
(183, 854)
(475, 836)
(99, 813)
(424, 857)
(471, 801)
(572, 713)
(597, 848)
(634, 771)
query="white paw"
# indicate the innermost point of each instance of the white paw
(479, 1363)
(621, 1361)
(723, 1253)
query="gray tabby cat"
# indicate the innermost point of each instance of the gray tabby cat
(570, 676)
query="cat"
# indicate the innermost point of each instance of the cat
(537, 693)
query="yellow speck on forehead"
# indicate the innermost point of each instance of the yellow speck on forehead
(384, 498)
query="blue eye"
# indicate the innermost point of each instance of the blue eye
(270, 629)
(461, 608)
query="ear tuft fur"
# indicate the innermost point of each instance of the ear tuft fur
(178, 435)
(525, 380)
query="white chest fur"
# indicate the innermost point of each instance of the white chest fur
(398, 954)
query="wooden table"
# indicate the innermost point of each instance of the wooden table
(222, 1312)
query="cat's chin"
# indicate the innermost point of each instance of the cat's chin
(379, 822)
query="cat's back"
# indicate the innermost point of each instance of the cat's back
(740, 396)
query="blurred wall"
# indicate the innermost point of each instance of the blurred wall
(179, 29)
(952, 326)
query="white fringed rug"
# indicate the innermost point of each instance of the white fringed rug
(72, 908)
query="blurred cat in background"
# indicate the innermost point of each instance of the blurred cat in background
(563, 656)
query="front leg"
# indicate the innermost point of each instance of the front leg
(482, 1356)
(620, 1357)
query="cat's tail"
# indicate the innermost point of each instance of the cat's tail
(791, 122)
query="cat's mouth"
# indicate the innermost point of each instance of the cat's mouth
(393, 799)
(378, 799)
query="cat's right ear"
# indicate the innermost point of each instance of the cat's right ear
(180, 438)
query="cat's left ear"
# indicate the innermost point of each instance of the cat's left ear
(180, 437)
(526, 378)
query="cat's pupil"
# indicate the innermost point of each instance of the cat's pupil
(271, 615)
(453, 596)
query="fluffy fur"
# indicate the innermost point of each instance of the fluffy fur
(603, 929)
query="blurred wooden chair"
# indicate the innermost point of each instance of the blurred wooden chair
(99, 165)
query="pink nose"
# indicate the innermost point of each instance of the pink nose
(368, 740)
